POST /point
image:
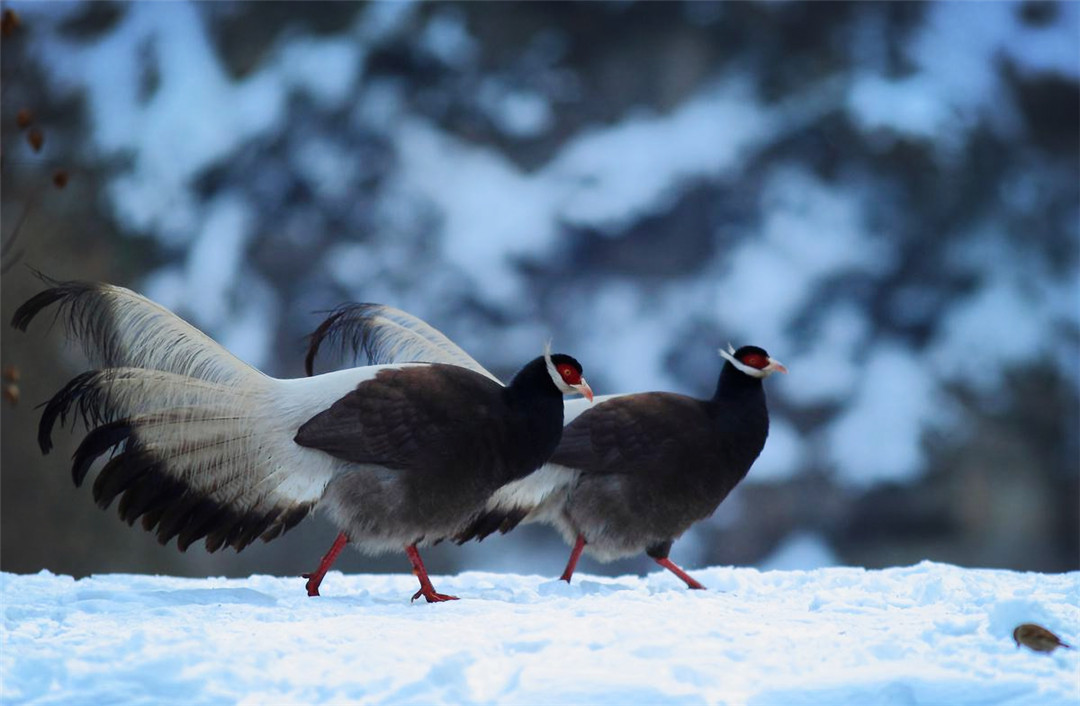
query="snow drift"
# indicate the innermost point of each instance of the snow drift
(927, 634)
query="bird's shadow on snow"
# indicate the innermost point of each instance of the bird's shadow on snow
(542, 588)
(344, 593)
(583, 587)
(92, 601)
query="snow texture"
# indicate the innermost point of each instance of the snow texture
(927, 634)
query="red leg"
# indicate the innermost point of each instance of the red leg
(579, 546)
(314, 579)
(426, 589)
(670, 566)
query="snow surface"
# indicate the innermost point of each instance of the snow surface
(927, 634)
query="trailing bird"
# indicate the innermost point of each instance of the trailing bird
(631, 473)
(647, 466)
(201, 445)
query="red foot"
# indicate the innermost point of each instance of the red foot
(429, 593)
(670, 566)
(315, 578)
(426, 589)
(579, 546)
(312, 584)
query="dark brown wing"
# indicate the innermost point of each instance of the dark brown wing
(412, 418)
(633, 432)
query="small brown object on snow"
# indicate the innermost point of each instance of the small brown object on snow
(23, 118)
(11, 393)
(1037, 638)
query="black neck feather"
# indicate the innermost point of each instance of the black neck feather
(533, 382)
(538, 413)
(735, 383)
(740, 411)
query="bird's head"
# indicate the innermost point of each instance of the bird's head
(752, 361)
(565, 372)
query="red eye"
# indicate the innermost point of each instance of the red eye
(755, 360)
(569, 374)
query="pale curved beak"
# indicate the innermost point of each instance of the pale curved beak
(584, 389)
(775, 366)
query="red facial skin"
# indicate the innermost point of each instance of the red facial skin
(569, 375)
(755, 361)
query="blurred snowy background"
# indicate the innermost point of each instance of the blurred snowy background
(886, 196)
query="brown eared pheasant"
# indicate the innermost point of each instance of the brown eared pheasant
(631, 473)
(198, 444)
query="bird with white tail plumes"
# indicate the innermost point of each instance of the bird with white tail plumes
(200, 445)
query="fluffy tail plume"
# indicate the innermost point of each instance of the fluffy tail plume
(383, 334)
(196, 442)
(119, 328)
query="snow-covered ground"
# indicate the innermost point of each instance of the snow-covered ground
(927, 634)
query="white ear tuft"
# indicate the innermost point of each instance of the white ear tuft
(553, 372)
